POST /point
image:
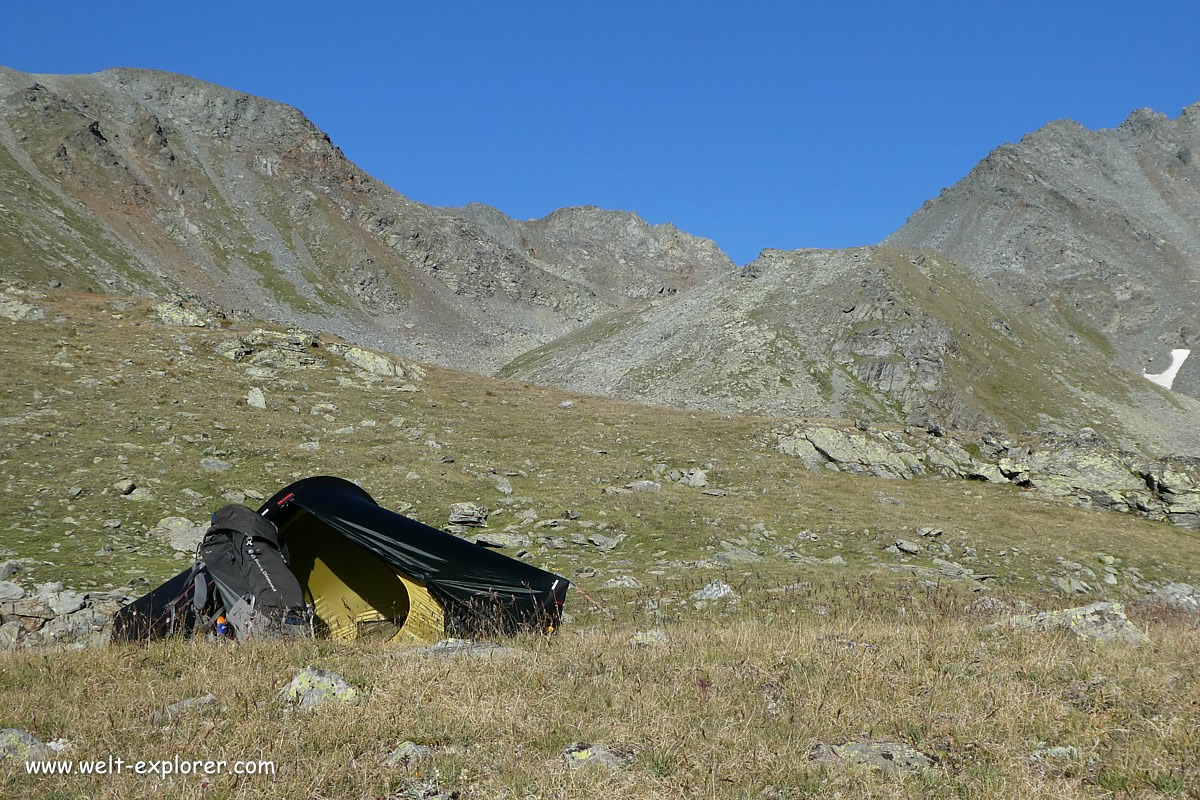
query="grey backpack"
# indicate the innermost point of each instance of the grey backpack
(242, 553)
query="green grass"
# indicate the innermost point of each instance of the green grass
(152, 420)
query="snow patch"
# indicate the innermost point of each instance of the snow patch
(1165, 379)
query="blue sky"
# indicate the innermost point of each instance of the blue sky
(756, 124)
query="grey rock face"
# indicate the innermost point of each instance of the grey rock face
(1082, 468)
(218, 161)
(1105, 223)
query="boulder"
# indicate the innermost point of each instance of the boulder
(469, 514)
(716, 590)
(60, 601)
(1179, 596)
(10, 632)
(174, 312)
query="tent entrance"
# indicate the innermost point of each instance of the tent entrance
(354, 593)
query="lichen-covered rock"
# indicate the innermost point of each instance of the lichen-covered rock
(180, 533)
(887, 757)
(20, 745)
(18, 311)
(1102, 622)
(584, 754)
(407, 753)
(372, 362)
(859, 453)
(175, 312)
(313, 687)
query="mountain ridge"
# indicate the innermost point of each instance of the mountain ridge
(143, 181)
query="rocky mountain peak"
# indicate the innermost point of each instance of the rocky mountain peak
(1101, 225)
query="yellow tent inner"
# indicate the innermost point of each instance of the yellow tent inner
(355, 594)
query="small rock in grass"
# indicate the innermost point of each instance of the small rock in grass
(583, 754)
(407, 753)
(204, 701)
(313, 687)
(20, 745)
(653, 638)
(470, 514)
(714, 591)
(887, 757)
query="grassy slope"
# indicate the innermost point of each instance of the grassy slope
(981, 704)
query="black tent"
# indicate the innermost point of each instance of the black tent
(372, 573)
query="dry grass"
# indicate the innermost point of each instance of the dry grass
(730, 708)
